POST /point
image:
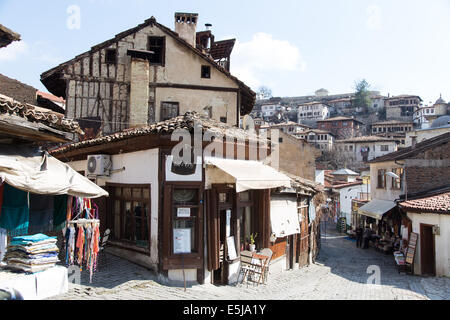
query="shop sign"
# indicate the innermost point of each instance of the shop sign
(183, 212)
(181, 241)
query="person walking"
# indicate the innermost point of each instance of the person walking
(359, 236)
(367, 234)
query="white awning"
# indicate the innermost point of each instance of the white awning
(26, 169)
(250, 174)
(284, 216)
(376, 208)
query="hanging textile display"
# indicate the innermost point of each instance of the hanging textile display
(15, 211)
(82, 235)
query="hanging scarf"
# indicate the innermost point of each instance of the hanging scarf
(71, 245)
(80, 246)
(15, 211)
(87, 247)
(66, 239)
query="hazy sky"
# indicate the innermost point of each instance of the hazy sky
(293, 47)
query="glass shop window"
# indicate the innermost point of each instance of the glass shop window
(245, 216)
(185, 208)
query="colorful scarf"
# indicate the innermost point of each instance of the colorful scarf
(80, 246)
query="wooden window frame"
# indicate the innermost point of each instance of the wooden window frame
(129, 244)
(172, 260)
(177, 104)
(399, 172)
(383, 176)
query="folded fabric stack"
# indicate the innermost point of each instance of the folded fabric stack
(32, 253)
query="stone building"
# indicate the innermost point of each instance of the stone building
(342, 127)
(366, 148)
(313, 111)
(150, 73)
(320, 139)
(414, 183)
(402, 107)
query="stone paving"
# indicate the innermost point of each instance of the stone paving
(340, 272)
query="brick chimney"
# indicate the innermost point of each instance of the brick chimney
(186, 26)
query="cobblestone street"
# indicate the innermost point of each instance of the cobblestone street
(340, 272)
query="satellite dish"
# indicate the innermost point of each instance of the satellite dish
(248, 123)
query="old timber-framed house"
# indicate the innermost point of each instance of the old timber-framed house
(148, 74)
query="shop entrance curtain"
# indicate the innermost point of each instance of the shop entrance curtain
(250, 175)
(31, 170)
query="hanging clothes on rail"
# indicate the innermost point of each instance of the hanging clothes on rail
(80, 246)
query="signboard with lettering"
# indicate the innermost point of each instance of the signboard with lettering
(183, 212)
(181, 241)
(411, 248)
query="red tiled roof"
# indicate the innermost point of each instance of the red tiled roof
(187, 121)
(36, 114)
(50, 97)
(340, 118)
(434, 204)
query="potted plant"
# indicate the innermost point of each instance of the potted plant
(252, 245)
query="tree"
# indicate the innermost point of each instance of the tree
(362, 96)
(264, 93)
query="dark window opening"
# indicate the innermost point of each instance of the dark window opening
(223, 119)
(169, 110)
(110, 56)
(157, 46)
(206, 72)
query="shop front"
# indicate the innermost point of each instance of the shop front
(238, 215)
(386, 223)
(35, 195)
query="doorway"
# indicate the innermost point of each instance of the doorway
(227, 219)
(427, 250)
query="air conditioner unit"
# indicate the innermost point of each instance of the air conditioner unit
(98, 165)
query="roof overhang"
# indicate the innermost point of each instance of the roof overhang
(376, 208)
(250, 175)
